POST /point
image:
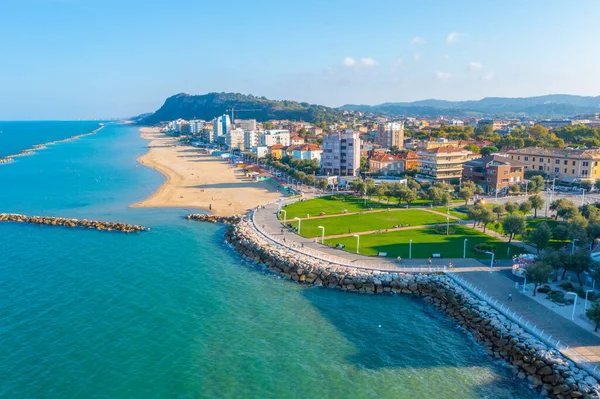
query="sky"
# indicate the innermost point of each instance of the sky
(85, 59)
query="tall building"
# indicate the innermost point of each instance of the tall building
(341, 154)
(196, 126)
(443, 163)
(272, 137)
(251, 139)
(221, 125)
(234, 139)
(390, 134)
(245, 124)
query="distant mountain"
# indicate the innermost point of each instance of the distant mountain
(211, 105)
(550, 106)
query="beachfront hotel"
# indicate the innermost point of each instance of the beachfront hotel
(443, 164)
(341, 154)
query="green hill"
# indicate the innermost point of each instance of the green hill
(211, 105)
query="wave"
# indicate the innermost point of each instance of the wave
(32, 150)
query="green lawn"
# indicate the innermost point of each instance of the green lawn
(366, 222)
(443, 209)
(529, 224)
(331, 205)
(426, 242)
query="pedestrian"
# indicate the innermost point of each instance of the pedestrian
(399, 259)
(348, 230)
(509, 297)
(429, 261)
(302, 244)
(450, 265)
(282, 231)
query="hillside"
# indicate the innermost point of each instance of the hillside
(211, 105)
(550, 106)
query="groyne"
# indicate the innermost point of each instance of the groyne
(213, 218)
(30, 151)
(528, 358)
(65, 222)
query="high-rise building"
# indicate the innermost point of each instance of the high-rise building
(443, 163)
(251, 139)
(391, 134)
(221, 125)
(245, 124)
(234, 139)
(341, 154)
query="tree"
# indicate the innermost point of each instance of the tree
(538, 273)
(394, 150)
(475, 214)
(511, 207)
(578, 262)
(485, 151)
(593, 314)
(564, 208)
(590, 212)
(537, 202)
(486, 216)
(479, 190)
(556, 259)
(473, 148)
(380, 191)
(513, 225)
(465, 193)
(597, 184)
(410, 196)
(435, 195)
(525, 207)
(540, 236)
(499, 210)
(322, 184)
(536, 183)
(515, 188)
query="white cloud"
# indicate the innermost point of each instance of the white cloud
(417, 41)
(488, 76)
(416, 56)
(349, 61)
(368, 62)
(442, 76)
(475, 66)
(452, 38)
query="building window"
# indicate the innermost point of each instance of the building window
(556, 170)
(586, 163)
(541, 159)
(519, 158)
(584, 172)
(573, 163)
(526, 158)
(540, 167)
(565, 170)
(572, 171)
(548, 160)
(566, 162)
(557, 161)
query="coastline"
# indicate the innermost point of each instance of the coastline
(198, 181)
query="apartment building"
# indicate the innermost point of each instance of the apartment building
(307, 152)
(390, 134)
(272, 137)
(245, 124)
(341, 154)
(221, 126)
(443, 163)
(567, 165)
(251, 139)
(384, 164)
(235, 139)
(493, 173)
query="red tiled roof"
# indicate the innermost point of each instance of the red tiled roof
(444, 149)
(386, 158)
(276, 147)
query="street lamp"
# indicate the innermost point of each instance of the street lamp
(322, 234)
(547, 202)
(582, 195)
(299, 221)
(447, 225)
(573, 245)
(357, 241)
(492, 261)
(586, 297)
(574, 304)
(465, 249)
(284, 215)
(526, 185)
(410, 249)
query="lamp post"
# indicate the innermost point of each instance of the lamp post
(574, 304)
(447, 225)
(586, 296)
(492, 261)
(410, 249)
(284, 215)
(547, 202)
(299, 221)
(322, 234)
(526, 185)
(582, 195)
(357, 241)
(465, 249)
(573, 245)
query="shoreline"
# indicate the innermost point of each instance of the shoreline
(37, 147)
(194, 180)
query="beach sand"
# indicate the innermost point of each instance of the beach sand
(195, 180)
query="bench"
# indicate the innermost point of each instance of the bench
(436, 255)
(384, 254)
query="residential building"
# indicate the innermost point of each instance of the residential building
(251, 139)
(308, 151)
(455, 122)
(235, 139)
(196, 126)
(422, 145)
(567, 165)
(443, 163)
(296, 140)
(411, 160)
(272, 137)
(496, 124)
(317, 131)
(341, 154)
(390, 134)
(276, 151)
(221, 125)
(245, 124)
(555, 123)
(493, 173)
(384, 164)
(260, 151)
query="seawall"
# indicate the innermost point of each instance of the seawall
(527, 357)
(65, 222)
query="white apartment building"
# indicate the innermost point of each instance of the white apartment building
(221, 125)
(272, 137)
(245, 124)
(341, 154)
(391, 134)
(235, 139)
(251, 139)
(196, 126)
(307, 152)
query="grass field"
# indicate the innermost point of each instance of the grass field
(444, 209)
(425, 242)
(529, 224)
(331, 205)
(366, 222)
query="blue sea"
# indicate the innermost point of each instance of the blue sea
(174, 313)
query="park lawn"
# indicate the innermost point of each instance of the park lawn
(425, 242)
(331, 205)
(529, 224)
(443, 209)
(366, 222)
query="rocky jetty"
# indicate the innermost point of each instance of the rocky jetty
(30, 151)
(527, 357)
(56, 221)
(214, 219)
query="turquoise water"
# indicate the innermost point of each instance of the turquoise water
(174, 313)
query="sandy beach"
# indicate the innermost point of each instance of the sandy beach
(196, 180)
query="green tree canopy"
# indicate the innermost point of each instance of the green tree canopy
(512, 225)
(537, 202)
(538, 273)
(511, 207)
(593, 314)
(499, 209)
(539, 236)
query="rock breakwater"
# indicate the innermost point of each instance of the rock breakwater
(214, 219)
(57, 221)
(30, 151)
(527, 357)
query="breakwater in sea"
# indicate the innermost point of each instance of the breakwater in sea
(65, 222)
(213, 219)
(30, 151)
(528, 358)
